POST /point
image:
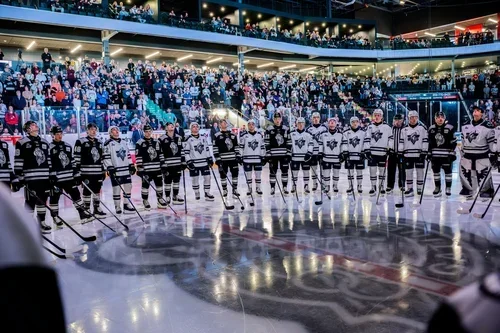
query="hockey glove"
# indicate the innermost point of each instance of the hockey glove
(111, 171)
(210, 161)
(239, 160)
(190, 165)
(493, 160)
(452, 158)
(164, 171)
(422, 158)
(341, 158)
(77, 177)
(53, 180)
(286, 159)
(217, 162)
(132, 169)
(368, 156)
(263, 161)
(428, 156)
(140, 173)
(308, 158)
(16, 185)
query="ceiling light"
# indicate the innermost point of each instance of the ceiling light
(429, 34)
(323, 24)
(459, 27)
(266, 65)
(244, 13)
(185, 57)
(211, 14)
(279, 25)
(307, 23)
(222, 9)
(307, 69)
(259, 16)
(204, 5)
(245, 61)
(248, 20)
(291, 21)
(350, 30)
(31, 45)
(401, 2)
(492, 20)
(115, 52)
(60, 57)
(287, 67)
(152, 54)
(359, 26)
(316, 28)
(214, 60)
(76, 48)
(395, 65)
(350, 66)
(343, 25)
(277, 19)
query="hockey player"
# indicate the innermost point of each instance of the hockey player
(378, 141)
(253, 154)
(278, 151)
(118, 164)
(302, 153)
(62, 177)
(32, 165)
(395, 155)
(89, 168)
(171, 146)
(478, 154)
(6, 172)
(149, 160)
(330, 155)
(352, 148)
(414, 145)
(316, 129)
(442, 144)
(227, 157)
(198, 160)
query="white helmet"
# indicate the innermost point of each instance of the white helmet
(301, 120)
(354, 119)
(412, 114)
(378, 111)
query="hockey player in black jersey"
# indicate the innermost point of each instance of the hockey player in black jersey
(62, 177)
(89, 170)
(149, 160)
(227, 157)
(442, 144)
(6, 172)
(315, 130)
(173, 153)
(278, 151)
(395, 156)
(32, 166)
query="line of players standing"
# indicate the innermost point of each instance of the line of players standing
(47, 169)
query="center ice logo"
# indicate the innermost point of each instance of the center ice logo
(413, 137)
(354, 141)
(471, 136)
(376, 136)
(253, 144)
(300, 143)
(332, 144)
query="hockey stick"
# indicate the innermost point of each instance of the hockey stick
(154, 189)
(468, 211)
(84, 183)
(401, 183)
(321, 184)
(60, 256)
(423, 188)
(277, 182)
(295, 185)
(83, 207)
(481, 216)
(351, 180)
(184, 183)
(127, 196)
(227, 178)
(252, 203)
(228, 207)
(63, 250)
(382, 180)
(85, 239)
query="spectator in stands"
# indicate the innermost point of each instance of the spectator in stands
(11, 120)
(46, 59)
(56, 6)
(18, 102)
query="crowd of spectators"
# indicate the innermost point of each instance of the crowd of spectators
(463, 39)
(135, 13)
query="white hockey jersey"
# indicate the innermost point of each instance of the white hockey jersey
(352, 143)
(478, 140)
(5, 162)
(302, 143)
(316, 131)
(197, 150)
(116, 153)
(252, 148)
(414, 141)
(330, 146)
(497, 141)
(378, 139)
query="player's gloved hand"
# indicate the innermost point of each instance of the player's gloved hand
(217, 162)
(53, 180)
(16, 184)
(239, 160)
(132, 169)
(308, 158)
(345, 156)
(341, 158)
(422, 157)
(368, 155)
(77, 177)
(320, 157)
(263, 161)
(428, 156)
(111, 170)
(493, 160)
(140, 173)
(286, 159)
(210, 161)
(164, 171)
(452, 158)
(190, 165)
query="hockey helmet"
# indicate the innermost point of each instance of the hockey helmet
(194, 123)
(113, 127)
(398, 116)
(475, 107)
(147, 128)
(354, 119)
(277, 115)
(332, 119)
(251, 121)
(55, 130)
(440, 114)
(301, 120)
(378, 111)
(27, 125)
(315, 115)
(412, 114)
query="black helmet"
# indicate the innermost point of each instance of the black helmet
(147, 128)
(475, 107)
(56, 129)
(439, 114)
(91, 125)
(398, 116)
(27, 125)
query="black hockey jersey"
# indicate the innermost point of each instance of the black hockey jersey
(225, 144)
(277, 141)
(442, 141)
(88, 157)
(32, 159)
(148, 155)
(5, 165)
(63, 165)
(172, 150)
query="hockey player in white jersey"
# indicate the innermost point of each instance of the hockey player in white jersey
(253, 153)
(378, 141)
(316, 129)
(414, 145)
(117, 161)
(352, 149)
(330, 155)
(198, 160)
(478, 154)
(302, 152)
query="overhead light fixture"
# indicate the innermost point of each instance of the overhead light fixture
(266, 65)
(323, 24)
(277, 19)
(76, 48)
(31, 45)
(248, 21)
(244, 61)
(307, 24)
(185, 57)
(152, 54)
(343, 25)
(359, 26)
(211, 14)
(291, 21)
(244, 13)
(492, 20)
(401, 2)
(350, 30)
(307, 69)
(429, 34)
(204, 5)
(79, 59)
(279, 25)
(116, 52)
(214, 60)
(287, 67)
(315, 28)
(259, 16)
(459, 27)
(222, 9)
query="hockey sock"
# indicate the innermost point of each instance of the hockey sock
(381, 176)
(359, 177)
(373, 175)
(235, 182)
(448, 178)
(295, 176)
(145, 191)
(409, 178)
(206, 183)
(116, 196)
(258, 180)
(284, 178)
(196, 184)
(420, 178)
(40, 213)
(437, 179)
(86, 201)
(248, 174)
(306, 177)
(336, 174)
(176, 189)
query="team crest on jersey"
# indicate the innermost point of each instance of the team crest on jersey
(64, 159)
(174, 148)
(3, 159)
(279, 139)
(229, 143)
(377, 135)
(471, 136)
(300, 143)
(152, 153)
(332, 144)
(413, 137)
(95, 154)
(39, 156)
(199, 148)
(121, 153)
(439, 139)
(253, 144)
(354, 141)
